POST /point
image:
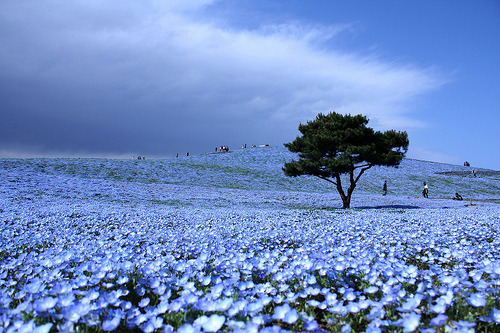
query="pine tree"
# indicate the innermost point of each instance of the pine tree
(336, 144)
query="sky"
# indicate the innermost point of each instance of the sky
(90, 78)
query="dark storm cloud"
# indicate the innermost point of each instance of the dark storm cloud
(120, 77)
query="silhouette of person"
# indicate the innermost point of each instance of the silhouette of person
(425, 191)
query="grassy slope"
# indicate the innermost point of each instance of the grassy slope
(260, 169)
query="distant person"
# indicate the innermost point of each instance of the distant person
(457, 196)
(425, 191)
(177, 155)
(384, 188)
(187, 154)
(474, 173)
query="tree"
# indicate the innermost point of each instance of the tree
(336, 144)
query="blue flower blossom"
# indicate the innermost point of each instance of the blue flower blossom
(291, 316)
(495, 315)
(411, 322)
(44, 304)
(111, 324)
(213, 323)
(43, 328)
(281, 311)
(476, 300)
(373, 330)
(371, 290)
(346, 328)
(187, 328)
(439, 320)
(311, 325)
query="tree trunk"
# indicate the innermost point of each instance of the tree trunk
(346, 199)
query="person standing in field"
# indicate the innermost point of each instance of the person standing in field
(425, 191)
(384, 188)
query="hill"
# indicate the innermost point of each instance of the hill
(259, 169)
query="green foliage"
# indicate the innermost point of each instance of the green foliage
(336, 144)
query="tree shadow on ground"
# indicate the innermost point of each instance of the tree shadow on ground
(389, 207)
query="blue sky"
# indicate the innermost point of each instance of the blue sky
(122, 78)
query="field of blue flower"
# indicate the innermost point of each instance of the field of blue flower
(226, 242)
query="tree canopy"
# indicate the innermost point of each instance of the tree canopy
(336, 144)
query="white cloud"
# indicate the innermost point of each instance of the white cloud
(163, 66)
(283, 64)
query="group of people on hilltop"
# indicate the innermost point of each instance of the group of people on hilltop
(467, 164)
(222, 149)
(425, 191)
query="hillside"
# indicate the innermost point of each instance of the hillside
(259, 169)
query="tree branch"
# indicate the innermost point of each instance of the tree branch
(362, 166)
(327, 179)
(362, 171)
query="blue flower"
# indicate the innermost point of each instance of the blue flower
(65, 300)
(44, 304)
(291, 316)
(281, 311)
(411, 304)
(373, 330)
(411, 322)
(495, 315)
(122, 280)
(346, 328)
(144, 302)
(140, 291)
(75, 311)
(371, 290)
(439, 320)
(311, 325)
(476, 300)
(464, 326)
(350, 296)
(111, 324)
(352, 307)
(213, 323)
(43, 328)
(147, 327)
(187, 328)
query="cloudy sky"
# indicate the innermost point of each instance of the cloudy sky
(122, 78)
